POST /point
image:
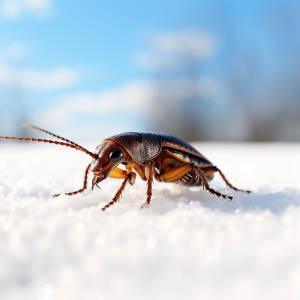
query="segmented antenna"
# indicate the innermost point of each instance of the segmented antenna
(48, 132)
(69, 144)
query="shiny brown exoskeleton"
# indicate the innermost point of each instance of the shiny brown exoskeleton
(160, 156)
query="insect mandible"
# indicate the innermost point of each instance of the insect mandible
(150, 155)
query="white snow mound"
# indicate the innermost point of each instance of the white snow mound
(186, 244)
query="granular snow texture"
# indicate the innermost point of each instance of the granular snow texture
(186, 244)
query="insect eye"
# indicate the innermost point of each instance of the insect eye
(116, 155)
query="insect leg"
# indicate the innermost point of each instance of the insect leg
(149, 173)
(205, 184)
(178, 172)
(228, 184)
(84, 183)
(141, 171)
(117, 173)
(174, 174)
(156, 175)
(129, 178)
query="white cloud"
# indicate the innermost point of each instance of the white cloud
(135, 97)
(140, 98)
(57, 78)
(169, 47)
(12, 9)
(17, 51)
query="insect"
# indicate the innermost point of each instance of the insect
(160, 156)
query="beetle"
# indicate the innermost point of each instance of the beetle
(161, 156)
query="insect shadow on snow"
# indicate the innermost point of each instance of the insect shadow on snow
(275, 202)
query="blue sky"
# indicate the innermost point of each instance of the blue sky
(96, 47)
(97, 36)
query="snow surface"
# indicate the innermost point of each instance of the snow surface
(186, 245)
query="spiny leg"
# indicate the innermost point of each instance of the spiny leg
(84, 183)
(149, 171)
(206, 185)
(178, 172)
(228, 184)
(129, 178)
(209, 170)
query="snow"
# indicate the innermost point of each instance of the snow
(186, 245)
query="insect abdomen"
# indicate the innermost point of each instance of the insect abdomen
(191, 179)
(185, 152)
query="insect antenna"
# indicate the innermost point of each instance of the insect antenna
(48, 132)
(69, 144)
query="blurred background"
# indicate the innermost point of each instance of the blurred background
(207, 70)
